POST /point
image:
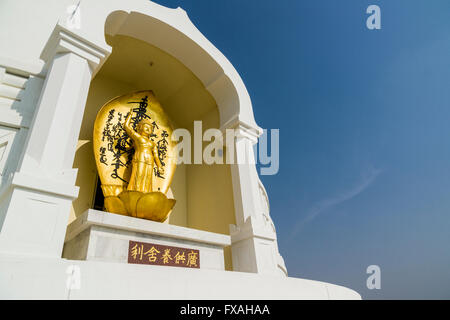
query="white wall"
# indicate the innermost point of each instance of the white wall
(46, 279)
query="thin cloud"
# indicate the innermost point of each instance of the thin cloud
(326, 204)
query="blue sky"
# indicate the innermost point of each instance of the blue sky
(364, 133)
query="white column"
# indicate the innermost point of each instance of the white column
(51, 146)
(35, 207)
(254, 247)
(243, 170)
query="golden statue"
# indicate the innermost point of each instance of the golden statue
(145, 154)
(135, 158)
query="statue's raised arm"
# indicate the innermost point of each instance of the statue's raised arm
(129, 129)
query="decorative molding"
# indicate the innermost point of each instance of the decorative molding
(244, 130)
(62, 40)
(26, 181)
(19, 93)
(22, 68)
(250, 229)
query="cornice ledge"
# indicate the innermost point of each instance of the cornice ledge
(26, 181)
(250, 229)
(62, 40)
(243, 129)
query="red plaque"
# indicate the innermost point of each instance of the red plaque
(157, 254)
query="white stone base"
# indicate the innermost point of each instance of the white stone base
(103, 236)
(25, 277)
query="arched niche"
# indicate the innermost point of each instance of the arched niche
(158, 48)
(204, 193)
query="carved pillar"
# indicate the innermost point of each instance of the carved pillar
(254, 247)
(35, 206)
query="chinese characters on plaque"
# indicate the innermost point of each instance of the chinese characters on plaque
(156, 254)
